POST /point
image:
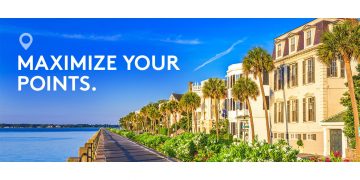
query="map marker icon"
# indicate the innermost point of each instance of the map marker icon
(23, 44)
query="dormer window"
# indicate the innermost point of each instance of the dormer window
(292, 44)
(279, 50)
(308, 38)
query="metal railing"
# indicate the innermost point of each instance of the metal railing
(88, 152)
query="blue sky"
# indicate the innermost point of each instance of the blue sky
(205, 48)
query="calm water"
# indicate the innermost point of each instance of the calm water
(39, 145)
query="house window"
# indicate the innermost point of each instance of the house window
(278, 79)
(342, 68)
(298, 136)
(294, 111)
(265, 78)
(309, 109)
(292, 76)
(308, 38)
(292, 44)
(332, 69)
(279, 50)
(279, 112)
(275, 135)
(233, 128)
(313, 137)
(304, 136)
(308, 71)
(282, 135)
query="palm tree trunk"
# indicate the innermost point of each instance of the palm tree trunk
(251, 121)
(216, 119)
(265, 107)
(175, 124)
(188, 119)
(195, 121)
(353, 102)
(167, 125)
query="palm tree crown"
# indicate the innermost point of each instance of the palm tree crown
(343, 40)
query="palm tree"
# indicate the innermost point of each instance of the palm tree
(344, 41)
(174, 109)
(132, 119)
(145, 115)
(257, 62)
(154, 115)
(215, 89)
(190, 101)
(163, 108)
(245, 89)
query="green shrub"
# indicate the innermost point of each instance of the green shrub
(205, 147)
(163, 131)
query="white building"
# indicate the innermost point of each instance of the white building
(237, 112)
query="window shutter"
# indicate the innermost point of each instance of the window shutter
(297, 110)
(288, 112)
(304, 72)
(288, 75)
(313, 70)
(314, 107)
(304, 109)
(282, 111)
(275, 80)
(296, 74)
(275, 113)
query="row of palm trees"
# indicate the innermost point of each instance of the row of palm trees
(343, 40)
(257, 62)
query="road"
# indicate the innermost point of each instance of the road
(115, 148)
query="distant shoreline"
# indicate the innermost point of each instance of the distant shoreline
(51, 126)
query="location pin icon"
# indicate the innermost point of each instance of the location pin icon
(23, 44)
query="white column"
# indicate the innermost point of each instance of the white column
(344, 144)
(325, 141)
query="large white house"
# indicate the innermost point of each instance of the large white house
(238, 113)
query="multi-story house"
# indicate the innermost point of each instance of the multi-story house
(205, 116)
(175, 97)
(305, 93)
(237, 112)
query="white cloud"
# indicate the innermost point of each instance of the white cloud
(179, 40)
(219, 55)
(93, 37)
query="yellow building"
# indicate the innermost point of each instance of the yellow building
(205, 117)
(305, 93)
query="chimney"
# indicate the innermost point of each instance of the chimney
(190, 86)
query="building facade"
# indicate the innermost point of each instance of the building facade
(205, 116)
(237, 112)
(305, 93)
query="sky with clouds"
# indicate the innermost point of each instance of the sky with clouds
(205, 48)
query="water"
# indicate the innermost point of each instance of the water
(42, 144)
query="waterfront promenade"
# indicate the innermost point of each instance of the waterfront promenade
(115, 148)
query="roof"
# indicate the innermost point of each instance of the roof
(176, 96)
(339, 117)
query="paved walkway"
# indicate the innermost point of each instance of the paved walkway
(115, 148)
